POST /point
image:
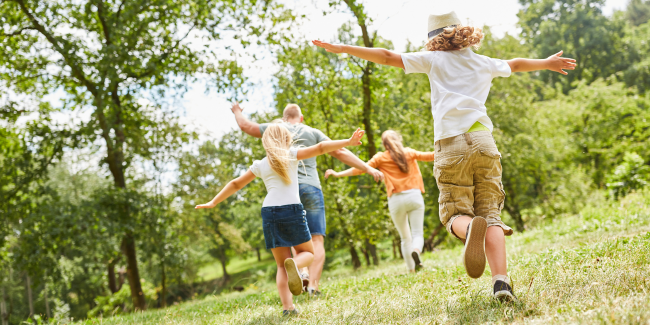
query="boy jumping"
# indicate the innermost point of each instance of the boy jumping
(468, 164)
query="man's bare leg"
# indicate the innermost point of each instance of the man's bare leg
(316, 267)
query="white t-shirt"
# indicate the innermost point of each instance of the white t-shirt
(460, 83)
(278, 192)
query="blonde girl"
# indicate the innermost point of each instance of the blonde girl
(468, 164)
(404, 187)
(283, 216)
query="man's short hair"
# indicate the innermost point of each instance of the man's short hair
(291, 111)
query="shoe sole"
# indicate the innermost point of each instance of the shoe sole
(474, 252)
(416, 259)
(293, 277)
(504, 296)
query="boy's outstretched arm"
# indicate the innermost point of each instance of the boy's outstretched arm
(379, 56)
(231, 188)
(554, 62)
(328, 146)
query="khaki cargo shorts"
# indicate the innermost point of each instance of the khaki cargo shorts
(468, 171)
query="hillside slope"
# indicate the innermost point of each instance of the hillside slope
(590, 268)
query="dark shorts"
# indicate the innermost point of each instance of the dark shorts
(285, 226)
(314, 203)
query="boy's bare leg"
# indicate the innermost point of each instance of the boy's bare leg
(495, 244)
(316, 268)
(460, 226)
(495, 249)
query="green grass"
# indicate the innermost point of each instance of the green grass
(236, 265)
(590, 268)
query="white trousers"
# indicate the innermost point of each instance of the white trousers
(408, 207)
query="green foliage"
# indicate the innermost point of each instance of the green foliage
(638, 11)
(120, 302)
(632, 174)
(580, 29)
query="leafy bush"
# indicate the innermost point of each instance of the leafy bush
(632, 174)
(120, 301)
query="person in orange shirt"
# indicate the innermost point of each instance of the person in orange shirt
(404, 187)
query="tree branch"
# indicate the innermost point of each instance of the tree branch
(76, 70)
(102, 20)
(18, 32)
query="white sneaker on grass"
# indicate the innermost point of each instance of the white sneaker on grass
(293, 276)
(305, 281)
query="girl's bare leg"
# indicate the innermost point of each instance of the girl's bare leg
(280, 254)
(304, 254)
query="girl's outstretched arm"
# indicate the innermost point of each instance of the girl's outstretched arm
(345, 173)
(231, 188)
(376, 55)
(328, 146)
(554, 62)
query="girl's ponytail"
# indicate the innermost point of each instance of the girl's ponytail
(277, 141)
(392, 141)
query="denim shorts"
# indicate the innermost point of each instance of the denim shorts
(314, 203)
(285, 226)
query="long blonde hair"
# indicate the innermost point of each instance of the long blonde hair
(276, 141)
(392, 141)
(456, 38)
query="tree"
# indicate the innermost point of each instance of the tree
(580, 29)
(202, 174)
(110, 55)
(638, 11)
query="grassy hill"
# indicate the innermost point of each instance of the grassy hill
(590, 268)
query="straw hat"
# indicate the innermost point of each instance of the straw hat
(437, 23)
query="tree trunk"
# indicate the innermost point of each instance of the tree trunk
(372, 250)
(224, 260)
(259, 256)
(516, 216)
(3, 307)
(30, 301)
(356, 263)
(398, 241)
(47, 301)
(394, 251)
(112, 284)
(163, 300)
(367, 109)
(128, 247)
(428, 244)
(364, 251)
(120, 278)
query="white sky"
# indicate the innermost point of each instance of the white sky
(394, 20)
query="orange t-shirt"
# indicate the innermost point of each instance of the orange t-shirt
(395, 180)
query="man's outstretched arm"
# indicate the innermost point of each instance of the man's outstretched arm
(249, 127)
(347, 157)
